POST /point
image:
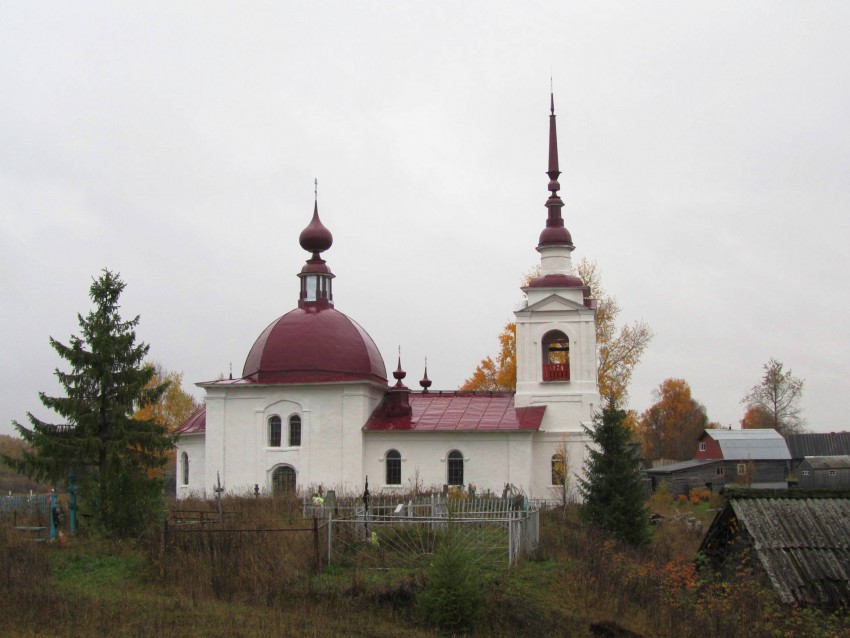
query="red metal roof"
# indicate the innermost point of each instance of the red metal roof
(314, 344)
(195, 424)
(460, 412)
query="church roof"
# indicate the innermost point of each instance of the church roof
(314, 344)
(195, 424)
(460, 412)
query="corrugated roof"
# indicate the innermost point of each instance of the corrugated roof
(828, 462)
(803, 545)
(819, 444)
(757, 444)
(460, 411)
(802, 539)
(684, 465)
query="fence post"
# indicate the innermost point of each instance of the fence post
(330, 535)
(510, 539)
(51, 504)
(162, 546)
(316, 543)
(72, 502)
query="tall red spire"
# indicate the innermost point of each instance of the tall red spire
(554, 233)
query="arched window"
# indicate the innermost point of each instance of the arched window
(393, 461)
(455, 468)
(184, 468)
(295, 430)
(556, 356)
(558, 469)
(283, 480)
(274, 431)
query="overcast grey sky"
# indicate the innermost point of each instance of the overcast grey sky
(704, 148)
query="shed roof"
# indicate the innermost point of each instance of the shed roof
(744, 445)
(818, 444)
(683, 466)
(802, 539)
(460, 411)
(828, 462)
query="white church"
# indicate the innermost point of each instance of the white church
(313, 405)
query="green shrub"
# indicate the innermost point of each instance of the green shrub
(452, 599)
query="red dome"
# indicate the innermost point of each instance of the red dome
(555, 235)
(556, 281)
(309, 345)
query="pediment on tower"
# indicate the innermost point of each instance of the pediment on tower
(554, 303)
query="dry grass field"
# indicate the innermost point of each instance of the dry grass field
(260, 583)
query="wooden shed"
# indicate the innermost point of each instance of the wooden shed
(801, 538)
(714, 474)
(824, 472)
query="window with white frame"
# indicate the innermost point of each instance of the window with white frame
(455, 468)
(294, 430)
(702, 446)
(742, 469)
(558, 468)
(393, 469)
(274, 431)
(184, 468)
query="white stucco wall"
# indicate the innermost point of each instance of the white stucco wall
(193, 446)
(569, 402)
(491, 459)
(236, 443)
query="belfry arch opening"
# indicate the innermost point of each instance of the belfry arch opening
(556, 356)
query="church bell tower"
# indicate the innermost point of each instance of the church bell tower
(556, 327)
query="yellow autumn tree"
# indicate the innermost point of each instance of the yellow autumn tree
(175, 406)
(498, 375)
(619, 351)
(756, 417)
(670, 427)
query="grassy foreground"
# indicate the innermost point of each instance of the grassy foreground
(578, 584)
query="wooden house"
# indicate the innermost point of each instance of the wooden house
(817, 444)
(754, 458)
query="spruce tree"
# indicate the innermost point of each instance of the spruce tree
(613, 494)
(113, 458)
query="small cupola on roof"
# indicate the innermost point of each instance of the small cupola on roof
(555, 243)
(314, 343)
(315, 276)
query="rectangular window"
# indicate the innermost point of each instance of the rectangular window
(394, 469)
(832, 472)
(274, 431)
(742, 469)
(720, 471)
(804, 473)
(295, 430)
(702, 446)
(558, 467)
(455, 469)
